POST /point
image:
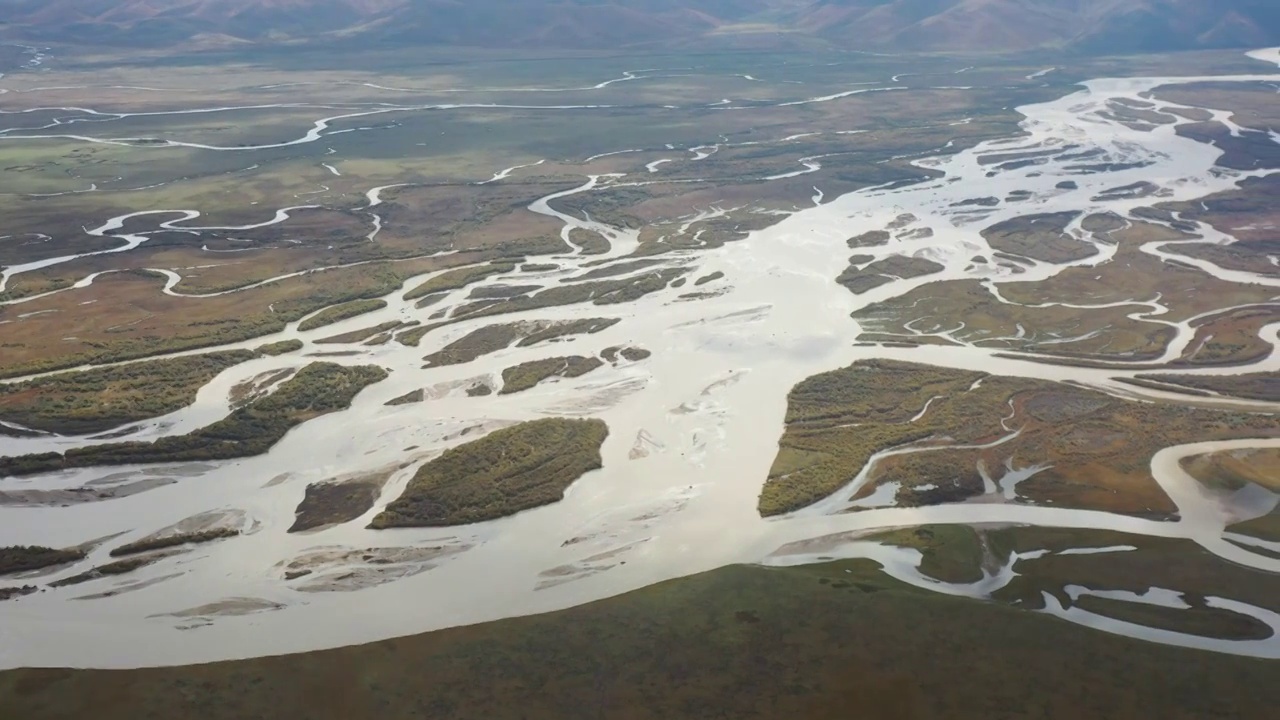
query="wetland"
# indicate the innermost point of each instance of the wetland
(552, 354)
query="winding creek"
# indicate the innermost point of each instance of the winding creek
(693, 429)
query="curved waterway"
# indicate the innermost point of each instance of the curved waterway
(693, 431)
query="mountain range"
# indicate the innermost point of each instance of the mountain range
(1113, 26)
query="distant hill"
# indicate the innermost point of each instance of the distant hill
(1089, 25)
(1113, 26)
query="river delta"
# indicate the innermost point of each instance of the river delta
(1022, 288)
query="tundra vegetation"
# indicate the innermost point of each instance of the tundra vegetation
(174, 540)
(766, 630)
(280, 348)
(338, 313)
(1252, 386)
(509, 470)
(881, 272)
(25, 558)
(315, 390)
(458, 278)
(602, 292)
(1095, 449)
(116, 567)
(492, 338)
(103, 398)
(338, 501)
(525, 375)
(962, 554)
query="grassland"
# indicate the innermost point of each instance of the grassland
(103, 398)
(823, 642)
(528, 374)
(1096, 449)
(509, 470)
(315, 390)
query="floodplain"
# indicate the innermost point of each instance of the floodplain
(290, 336)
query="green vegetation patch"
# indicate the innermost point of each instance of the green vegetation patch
(602, 292)
(413, 396)
(474, 344)
(1094, 450)
(884, 271)
(315, 390)
(1040, 237)
(621, 268)
(565, 328)
(513, 469)
(100, 399)
(631, 354)
(1172, 563)
(280, 348)
(950, 553)
(591, 242)
(168, 541)
(492, 338)
(25, 558)
(1253, 386)
(334, 503)
(337, 313)
(119, 567)
(459, 278)
(872, 238)
(970, 310)
(526, 375)
(362, 334)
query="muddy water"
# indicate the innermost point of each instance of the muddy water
(693, 429)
